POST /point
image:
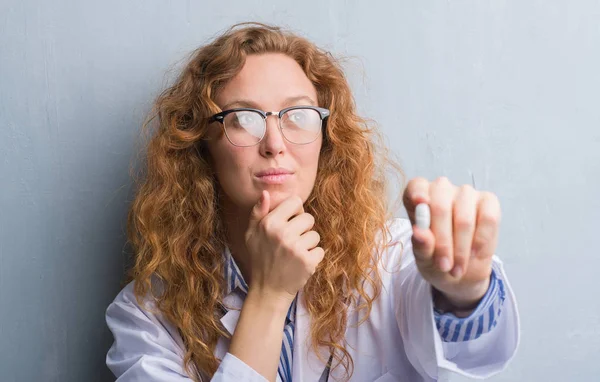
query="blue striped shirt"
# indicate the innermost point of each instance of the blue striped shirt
(480, 321)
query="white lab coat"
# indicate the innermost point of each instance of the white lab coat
(398, 342)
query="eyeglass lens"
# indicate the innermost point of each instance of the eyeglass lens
(247, 128)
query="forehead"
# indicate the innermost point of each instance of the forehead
(267, 80)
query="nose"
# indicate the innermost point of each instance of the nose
(273, 142)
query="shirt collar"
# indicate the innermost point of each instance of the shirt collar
(236, 283)
(235, 280)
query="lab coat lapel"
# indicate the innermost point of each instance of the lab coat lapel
(233, 303)
(306, 366)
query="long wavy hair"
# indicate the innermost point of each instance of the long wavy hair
(175, 227)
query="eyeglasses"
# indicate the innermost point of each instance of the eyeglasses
(244, 127)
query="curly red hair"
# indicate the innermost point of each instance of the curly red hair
(175, 227)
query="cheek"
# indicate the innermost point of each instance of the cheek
(316, 153)
(309, 159)
(225, 158)
(232, 162)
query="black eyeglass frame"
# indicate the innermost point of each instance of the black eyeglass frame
(220, 117)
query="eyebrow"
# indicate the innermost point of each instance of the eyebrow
(254, 105)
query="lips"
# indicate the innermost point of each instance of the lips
(274, 175)
(274, 171)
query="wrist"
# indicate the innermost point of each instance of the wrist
(460, 303)
(258, 334)
(268, 301)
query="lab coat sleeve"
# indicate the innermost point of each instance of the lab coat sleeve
(144, 348)
(232, 369)
(413, 305)
(148, 348)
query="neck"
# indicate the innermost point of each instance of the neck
(235, 221)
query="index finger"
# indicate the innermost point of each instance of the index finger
(416, 192)
(287, 209)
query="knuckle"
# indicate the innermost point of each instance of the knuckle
(444, 248)
(280, 235)
(462, 252)
(311, 219)
(317, 236)
(298, 248)
(288, 247)
(419, 180)
(308, 219)
(495, 203)
(459, 258)
(458, 262)
(247, 238)
(321, 254)
(489, 195)
(439, 208)
(415, 185)
(265, 224)
(491, 198)
(317, 255)
(489, 218)
(466, 189)
(462, 222)
(442, 180)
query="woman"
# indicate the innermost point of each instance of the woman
(263, 249)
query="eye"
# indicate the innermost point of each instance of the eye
(247, 119)
(298, 117)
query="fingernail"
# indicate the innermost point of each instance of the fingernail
(444, 264)
(456, 272)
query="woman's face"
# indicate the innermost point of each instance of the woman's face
(268, 82)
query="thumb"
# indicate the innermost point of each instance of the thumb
(423, 243)
(261, 208)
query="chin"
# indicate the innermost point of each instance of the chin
(279, 195)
